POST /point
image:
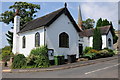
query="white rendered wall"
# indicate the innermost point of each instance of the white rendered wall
(30, 40)
(62, 24)
(104, 44)
(85, 42)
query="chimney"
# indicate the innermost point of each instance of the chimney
(17, 12)
(16, 29)
(80, 18)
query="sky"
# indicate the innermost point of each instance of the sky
(93, 10)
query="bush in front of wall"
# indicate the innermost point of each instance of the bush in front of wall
(38, 57)
(103, 53)
(90, 55)
(87, 49)
(39, 50)
(19, 61)
(92, 51)
(111, 52)
(41, 61)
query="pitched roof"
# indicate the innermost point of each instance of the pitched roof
(47, 20)
(89, 32)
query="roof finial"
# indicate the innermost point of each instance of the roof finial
(65, 4)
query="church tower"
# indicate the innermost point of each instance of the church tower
(80, 18)
(16, 29)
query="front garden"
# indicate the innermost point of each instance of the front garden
(91, 53)
(38, 57)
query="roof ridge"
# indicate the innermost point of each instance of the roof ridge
(50, 13)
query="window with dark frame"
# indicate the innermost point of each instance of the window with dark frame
(24, 42)
(109, 42)
(37, 39)
(64, 40)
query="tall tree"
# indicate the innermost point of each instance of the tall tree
(27, 13)
(99, 23)
(97, 39)
(88, 23)
(105, 22)
(10, 38)
(115, 37)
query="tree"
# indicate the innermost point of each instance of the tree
(115, 37)
(97, 39)
(10, 38)
(89, 23)
(105, 22)
(99, 23)
(26, 11)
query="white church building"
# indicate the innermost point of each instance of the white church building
(59, 31)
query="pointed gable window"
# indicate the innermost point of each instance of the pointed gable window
(23, 42)
(37, 39)
(109, 42)
(64, 40)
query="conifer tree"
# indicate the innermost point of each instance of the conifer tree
(115, 37)
(97, 39)
(105, 22)
(99, 23)
(10, 38)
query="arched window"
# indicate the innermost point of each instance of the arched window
(64, 40)
(37, 39)
(109, 42)
(23, 42)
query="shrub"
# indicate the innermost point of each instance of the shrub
(41, 61)
(19, 61)
(87, 49)
(30, 60)
(38, 57)
(92, 51)
(39, 50)
(90, 55)
(111, 52)
(6, 54)
(103, 53)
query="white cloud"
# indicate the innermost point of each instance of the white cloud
(104, 10)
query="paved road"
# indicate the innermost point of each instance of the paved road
(107, 69)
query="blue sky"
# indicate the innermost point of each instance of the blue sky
(94, 10)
